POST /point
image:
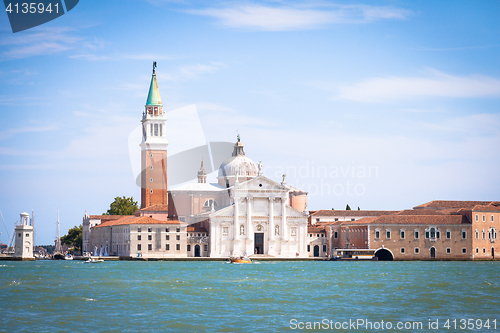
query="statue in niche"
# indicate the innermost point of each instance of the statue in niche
(277, 230)
(242, 229)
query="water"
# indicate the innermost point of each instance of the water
(124, 296)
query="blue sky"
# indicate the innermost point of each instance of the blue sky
(397, 100)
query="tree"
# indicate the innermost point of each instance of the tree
(122, 206)
(347, 207)
(358, 208)
(74, 238)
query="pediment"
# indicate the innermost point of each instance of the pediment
(260, 184)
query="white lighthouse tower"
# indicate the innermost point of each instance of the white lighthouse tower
(24, 239)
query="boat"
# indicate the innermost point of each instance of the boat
(240, 260)
(93, 261)
(68, 257)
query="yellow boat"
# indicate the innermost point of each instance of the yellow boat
(240, 260)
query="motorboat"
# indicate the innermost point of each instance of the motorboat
(93, 261)
(240, 260)
(68, 257)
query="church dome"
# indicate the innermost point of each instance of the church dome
(237, 168)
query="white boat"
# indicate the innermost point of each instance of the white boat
(68, 257)
(93, 261)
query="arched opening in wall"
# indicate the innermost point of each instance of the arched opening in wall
(197, 251)
(493, 253)
(384, 255)
(433, 252)
(316, 250)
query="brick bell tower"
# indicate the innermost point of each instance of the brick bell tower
(153, 149)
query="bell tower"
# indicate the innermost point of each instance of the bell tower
(153, 149)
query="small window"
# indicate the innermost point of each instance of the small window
(151, 127)
(324, 248)
(166, 230)
(377, 234)
(138, 237)
(484, 250)
(448, 250)
(484, 218)
(150, 180)
(167, 237)
(178, 247)
(438, 234)
(138, 247)
(402, 250)
(477, 250)
(151, 167)
(167, 247)
(161, 130)
(492, 218)
(139, 229)
(448, 234)
(205, 248)
(151, 191)
(464, 250)
(484, 234)
(149, 237)
(477, 218)
(150, 247)
(189, 248)
(335, 235)
(310, 235)
(156, 129)
(402, 234)
(416, 250)
(308, 248)
(317, 220)
(322, 235)
(317, 235)
(464, 234)
(417, 234)
(178, 230)
(388, 234)
(477, 234)
(150, 229)
(27, 235)
(336, 219)
(151, 153)
(426, 234)
(178, 237)
(353, 219)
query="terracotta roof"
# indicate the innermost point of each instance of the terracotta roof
(155, 208)
(422, 212)
(364, 220)
(105, 217)
(196, 229)
(313, 229)
(333, 212)
(440, 204)
(127, 220)
(421, 219)
(486, 208)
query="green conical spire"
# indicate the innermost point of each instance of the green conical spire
(154, 97)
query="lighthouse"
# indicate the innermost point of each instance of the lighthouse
(24, 239)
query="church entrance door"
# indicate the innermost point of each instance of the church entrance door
(316, 250)
(197, 251)
(259, 243)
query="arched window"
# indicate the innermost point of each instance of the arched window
(209, 202)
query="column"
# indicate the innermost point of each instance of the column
(249, 217)
(283, 219)
(212, 239)
(236, 214)
(271, 217)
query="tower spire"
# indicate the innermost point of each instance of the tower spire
(154, 98)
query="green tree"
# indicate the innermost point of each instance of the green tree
(347, 207)
(74, 238)
(122, 206)
(358, 208)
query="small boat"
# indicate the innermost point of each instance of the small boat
(68, 257)
(93, 261)
(240, 260)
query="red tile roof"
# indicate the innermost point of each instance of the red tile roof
(440, 204)
(314, 229)
(421, 219)
(156, 208)
(127, 220)
(422, 212)
(333, 212)
(105, 217)
(196, 229)
(486, 208)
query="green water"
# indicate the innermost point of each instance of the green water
(64, 296)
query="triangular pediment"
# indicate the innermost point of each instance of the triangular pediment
(292, 212)
(226, 211)
(258, 184)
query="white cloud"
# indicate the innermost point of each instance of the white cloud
(268, 18)
(437, 84)
(10, 132)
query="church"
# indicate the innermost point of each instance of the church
(243, 213)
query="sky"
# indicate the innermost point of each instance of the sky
(376, 104)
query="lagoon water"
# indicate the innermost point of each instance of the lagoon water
(193, 296)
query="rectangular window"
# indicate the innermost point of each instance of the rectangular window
(167, 247)
(205, 248)
(417, 234)
(492, 218)
(151, 129)
(166, 230)
(139, 229)
(178, 237)
(448, 250)
(477, 217)
(308, 248)
(27, 235)
(317, 220)
(416, 250)
(324, 248)
(388, 234)
(484, 218)
(427, 234)
(377, 234)
(150, 247)
(464, 250)
(178, 247)
(336, 235)
(178, 230)
(149, 229)
(448, 234)
(402, 232)
(138, 247)
(156, 129)
(438, 234)
(402, 250)
(161, 130)
(464, 234)
(189, 248)
(138, 237)
(167, 237)
(149, 237)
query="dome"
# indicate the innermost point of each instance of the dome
(237, 167)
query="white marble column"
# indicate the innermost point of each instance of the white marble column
(212, 239)
(283, 219)
(236, 214)
(271, 217)
(249, 218)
